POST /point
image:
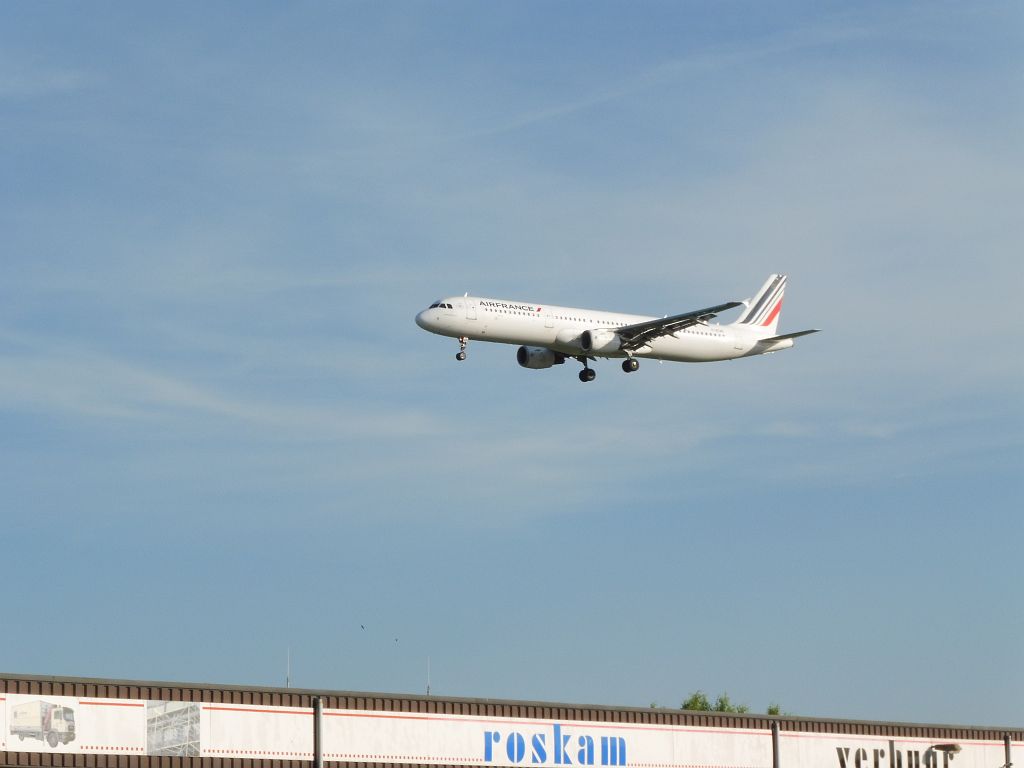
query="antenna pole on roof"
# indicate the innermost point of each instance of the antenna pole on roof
(288, 669)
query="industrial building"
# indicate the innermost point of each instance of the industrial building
(129, 724)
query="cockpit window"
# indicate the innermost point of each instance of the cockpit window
(435, 305)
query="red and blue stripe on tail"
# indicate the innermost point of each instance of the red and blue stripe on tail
(763, 310)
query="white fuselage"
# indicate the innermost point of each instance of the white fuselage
(560, 329)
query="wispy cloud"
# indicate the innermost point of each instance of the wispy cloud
(841, 29)
(22, 80)
(69, 381)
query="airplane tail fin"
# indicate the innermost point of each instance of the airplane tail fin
(763, 310)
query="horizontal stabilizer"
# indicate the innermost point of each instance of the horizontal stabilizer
(789, 335)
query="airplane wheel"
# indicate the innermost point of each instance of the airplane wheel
(630, 364)
(460, 356)
(588, 374)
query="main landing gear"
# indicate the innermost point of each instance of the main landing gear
(463, 341)
(588, 373)
(629, 365)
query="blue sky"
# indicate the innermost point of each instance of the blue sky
(222, 435)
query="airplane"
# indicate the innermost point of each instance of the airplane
(550, 335)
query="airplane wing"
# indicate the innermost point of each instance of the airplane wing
(637, 335)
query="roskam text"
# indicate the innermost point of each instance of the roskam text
(557, 747)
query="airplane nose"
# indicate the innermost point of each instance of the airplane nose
(421, 320)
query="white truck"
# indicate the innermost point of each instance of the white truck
(42, 720)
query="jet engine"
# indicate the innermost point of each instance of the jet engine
(538, 357)
(600, 342)
(568, 337)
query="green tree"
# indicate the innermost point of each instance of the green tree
(698, 701)
(722, 704)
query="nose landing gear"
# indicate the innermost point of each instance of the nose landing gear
(463, 341)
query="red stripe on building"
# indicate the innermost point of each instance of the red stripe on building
(566, 723)
(295, 711)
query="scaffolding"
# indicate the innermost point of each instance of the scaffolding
(172, 728)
